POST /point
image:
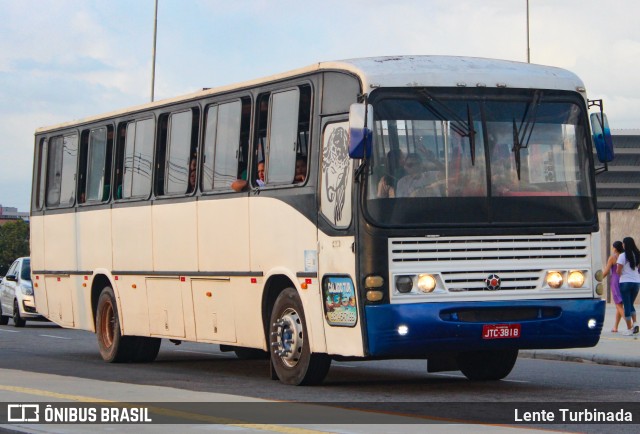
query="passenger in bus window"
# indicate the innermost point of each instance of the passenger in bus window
(192, 175)
(242, 184)
(421, 180)
(394, 171)
(301, 169)
(260, 180)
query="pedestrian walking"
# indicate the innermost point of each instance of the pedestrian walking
(612, 268)
(629, 269)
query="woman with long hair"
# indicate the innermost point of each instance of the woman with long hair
(629, 270)
(615, 282)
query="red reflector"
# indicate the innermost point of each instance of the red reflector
(116, 277)
(37, 277)
(254, 280)
(86, 277)
(58, 279)
(308, 281)
(183, 279)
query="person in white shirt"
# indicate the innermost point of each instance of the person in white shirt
(628, 267)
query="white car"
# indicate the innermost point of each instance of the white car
(16, 294)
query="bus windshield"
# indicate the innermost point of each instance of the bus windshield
(488, 157)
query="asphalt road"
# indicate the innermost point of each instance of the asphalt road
(47, 349)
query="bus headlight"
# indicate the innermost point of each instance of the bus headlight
(576, 279)
(404, 284)
(426, 283)
(554, 279)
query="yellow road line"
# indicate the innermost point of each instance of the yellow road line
(164, 411)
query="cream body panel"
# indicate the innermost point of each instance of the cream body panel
(60, 242)
(247, 302)
(132, 240)
(175, 236)
(36, 240)
(59, 298)
(131, 295)
(166, 309)
(335, 257)
(93, 229)
(280, 235)
(223, 234)
(214, 310)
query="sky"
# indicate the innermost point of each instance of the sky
(62, 60)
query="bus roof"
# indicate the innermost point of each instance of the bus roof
(399, 71)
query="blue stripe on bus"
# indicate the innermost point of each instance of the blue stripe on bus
(431, 330)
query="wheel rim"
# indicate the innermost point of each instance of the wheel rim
(288, 337)
(107, 324)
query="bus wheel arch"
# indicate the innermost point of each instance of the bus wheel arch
(291, 356)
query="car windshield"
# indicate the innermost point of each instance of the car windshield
(451, 156)
(25, 274)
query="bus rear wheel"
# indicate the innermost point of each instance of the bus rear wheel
(291, 357)
(487, 365)
(114, 347)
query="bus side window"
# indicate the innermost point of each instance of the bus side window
(137, 156)
(175, 150)
(223, 151)
(284, 144)
(119, 164)
(95, 165)
(61, 170)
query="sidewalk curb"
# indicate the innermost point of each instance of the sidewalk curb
(567, 356)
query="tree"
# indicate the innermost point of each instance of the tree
(14, 243)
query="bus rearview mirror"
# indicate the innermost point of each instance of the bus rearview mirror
(360, 126)
(602, 137)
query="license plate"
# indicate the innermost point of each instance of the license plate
(501, 331)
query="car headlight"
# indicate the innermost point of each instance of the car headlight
(554, 279)
(26, 290)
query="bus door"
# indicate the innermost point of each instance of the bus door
(336, 258)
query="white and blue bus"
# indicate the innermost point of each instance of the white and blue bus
(400, 207)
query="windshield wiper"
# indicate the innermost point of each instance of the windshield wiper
(522, 134)
(459, 125)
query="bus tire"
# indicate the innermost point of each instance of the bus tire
(487, 365)
(291, 357)
(146, 349)
(18, 321)
(114, 348)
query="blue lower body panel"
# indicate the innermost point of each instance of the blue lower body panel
(433, 328)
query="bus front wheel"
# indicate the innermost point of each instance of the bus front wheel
(291, 357)
(113, 346)
(487, 365)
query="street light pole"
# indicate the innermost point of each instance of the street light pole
(528, 50)
(153, 61)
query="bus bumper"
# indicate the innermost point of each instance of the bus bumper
(422, 329)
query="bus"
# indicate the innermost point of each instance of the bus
(432, 207)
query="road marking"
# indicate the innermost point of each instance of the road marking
(165, 411)
(56, 337)
(10, 331)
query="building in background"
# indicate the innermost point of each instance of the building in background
(619, 187)
(9, 214)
